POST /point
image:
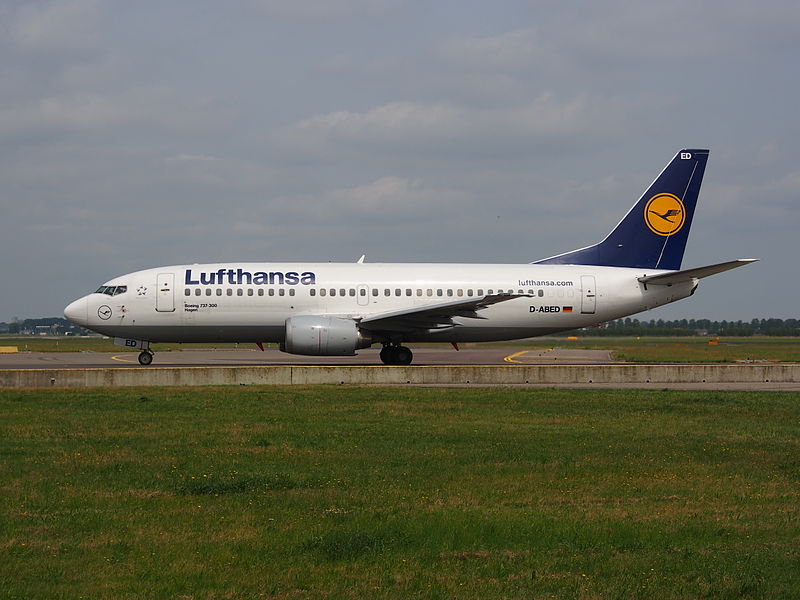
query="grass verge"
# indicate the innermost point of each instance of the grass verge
(398, 493)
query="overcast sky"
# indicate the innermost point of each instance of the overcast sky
(139, 134)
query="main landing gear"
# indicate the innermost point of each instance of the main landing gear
(396, 355)
(145, 357)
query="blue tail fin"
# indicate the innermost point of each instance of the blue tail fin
(653, 234)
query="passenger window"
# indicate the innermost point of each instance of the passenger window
(439, 292)
(387, 292)
(489, 292)
(197, 292)
(429, 292)
(281, 292)
(260, 291)
(408, 291)
(271, 291)
(249, 291)
(186, 292)
(322, 291)
(469, 292)
(374, 291)
(239, 292)
(362, 292)
(460, 292)
(352, 292)
(333, 292)
(419, 292)
(312, 292)
(208, 291)
(342, 291)
(480, 292)
(291, 291)
(397, 292)
(229, 292)
(219, 292)
(449, 292)
(541, 293)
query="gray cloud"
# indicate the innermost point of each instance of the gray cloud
(70, 26)
(320, 9)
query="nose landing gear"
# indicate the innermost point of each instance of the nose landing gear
(396, 355)
(145, 358)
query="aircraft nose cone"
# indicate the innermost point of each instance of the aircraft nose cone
(78, 312)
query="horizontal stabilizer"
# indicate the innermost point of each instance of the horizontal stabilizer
(697, 273)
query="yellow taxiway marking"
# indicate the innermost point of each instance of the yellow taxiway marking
(119, 358)
(512, 358)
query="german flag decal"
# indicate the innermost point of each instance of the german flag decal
(567, 309)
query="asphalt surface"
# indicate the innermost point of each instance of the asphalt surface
(272, 356)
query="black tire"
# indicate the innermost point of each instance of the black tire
(403, 356)
(145, 358)
(387, 355)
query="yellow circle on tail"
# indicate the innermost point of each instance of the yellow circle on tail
(664, 214)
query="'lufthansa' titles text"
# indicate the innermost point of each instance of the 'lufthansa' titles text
(242, 277)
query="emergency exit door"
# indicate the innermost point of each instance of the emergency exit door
(165, 294)
(588, 295)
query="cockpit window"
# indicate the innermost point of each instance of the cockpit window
(112, 290)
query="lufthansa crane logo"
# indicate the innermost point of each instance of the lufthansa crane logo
(664, 214)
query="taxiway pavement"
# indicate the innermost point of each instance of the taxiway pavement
(272, 356)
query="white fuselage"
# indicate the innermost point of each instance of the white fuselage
(250, 302)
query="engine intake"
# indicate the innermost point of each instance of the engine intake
(323, 336)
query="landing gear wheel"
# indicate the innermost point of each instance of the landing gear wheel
(403, 356)
(396, 355)
(145, 358)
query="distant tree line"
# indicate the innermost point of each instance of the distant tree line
(687, 327)
(62, 326)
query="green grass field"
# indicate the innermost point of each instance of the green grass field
(93, 344)
(247, 492)
(695, 349)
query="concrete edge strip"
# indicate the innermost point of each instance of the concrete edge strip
(621, 374)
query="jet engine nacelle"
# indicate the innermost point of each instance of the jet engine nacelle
(323, 336)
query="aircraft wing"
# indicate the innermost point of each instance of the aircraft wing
(697, 273)
(433, 316)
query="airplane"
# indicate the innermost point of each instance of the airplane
(335, 309)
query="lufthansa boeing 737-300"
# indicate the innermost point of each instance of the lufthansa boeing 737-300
(328, 309)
